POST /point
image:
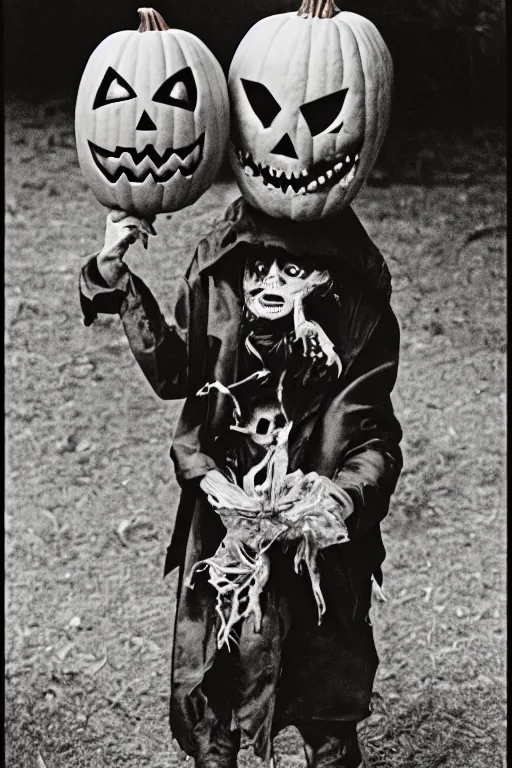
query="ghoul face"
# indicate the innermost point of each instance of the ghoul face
(310, 106)
(273, 284)
(151, 119)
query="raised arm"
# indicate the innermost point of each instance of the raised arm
(108, 286)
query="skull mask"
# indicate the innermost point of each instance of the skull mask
(273, 284)
(264, 424)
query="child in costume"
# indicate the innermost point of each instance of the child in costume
(285, 349)
(253, 286)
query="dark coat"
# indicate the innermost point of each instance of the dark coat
(347, 432)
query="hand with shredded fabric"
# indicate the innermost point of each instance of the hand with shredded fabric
(329, 490)
(121, 231)
(315, 342)
(222, 492)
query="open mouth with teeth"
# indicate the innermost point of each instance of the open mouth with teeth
(137, 166)
(271, 302)
(318, 178)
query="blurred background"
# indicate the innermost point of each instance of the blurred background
(449, 55)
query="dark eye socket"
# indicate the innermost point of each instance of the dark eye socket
(179, 90)
(261, 268)
(113, 88)
(320, 113)
(263, 104)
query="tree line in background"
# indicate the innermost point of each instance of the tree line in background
(449, 55)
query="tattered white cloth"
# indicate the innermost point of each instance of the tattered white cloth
(305, 510)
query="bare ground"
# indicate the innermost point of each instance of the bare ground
(91, 492)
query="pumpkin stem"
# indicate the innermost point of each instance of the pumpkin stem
(322, 9)
(151, 21)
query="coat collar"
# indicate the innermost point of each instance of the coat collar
(342, 241)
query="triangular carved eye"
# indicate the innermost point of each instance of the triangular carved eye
(113, 88)
(179, 90)
(322, 115)
(263, 104)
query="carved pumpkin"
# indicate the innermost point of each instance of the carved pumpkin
(310, 95)
(152, 118)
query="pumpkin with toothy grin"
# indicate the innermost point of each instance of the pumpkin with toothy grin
(310, 96)
(320, 177)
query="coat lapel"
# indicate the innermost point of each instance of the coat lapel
(307, 409)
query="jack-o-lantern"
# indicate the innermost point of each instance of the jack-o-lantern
(152, 118)
(310, 95)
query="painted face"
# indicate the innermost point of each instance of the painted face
(273, 285)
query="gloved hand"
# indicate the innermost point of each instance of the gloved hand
(120, 232)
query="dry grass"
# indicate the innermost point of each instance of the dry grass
(91, 493)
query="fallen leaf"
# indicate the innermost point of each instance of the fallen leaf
(11, 205)
(152, 646)
(121, 528)
(83, 370)
(40, 762)
(63, 652)
(12, 310)
(82, 446)
(482, 230)
(67, 444)
(46, 513)
(93, 669)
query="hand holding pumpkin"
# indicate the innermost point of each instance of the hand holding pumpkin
(120, 232)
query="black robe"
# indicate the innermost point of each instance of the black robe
(294, 671)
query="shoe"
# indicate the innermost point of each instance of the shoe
(222, 749)
(336, 752)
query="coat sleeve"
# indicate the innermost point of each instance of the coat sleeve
(161, 349)
(366, 435)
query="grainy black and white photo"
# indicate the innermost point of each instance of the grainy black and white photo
(255, 340)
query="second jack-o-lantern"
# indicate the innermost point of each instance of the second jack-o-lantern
(152, 118)
(310, 95)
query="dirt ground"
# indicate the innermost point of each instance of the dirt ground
(91, 492)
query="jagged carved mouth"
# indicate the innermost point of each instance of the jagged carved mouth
(320, 177)
(137, 166)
